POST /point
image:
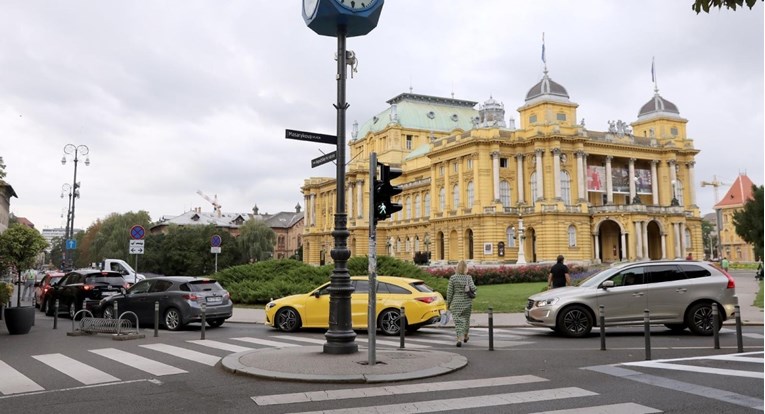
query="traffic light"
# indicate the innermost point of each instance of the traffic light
(384, 190)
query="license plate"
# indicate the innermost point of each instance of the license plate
(214, 299)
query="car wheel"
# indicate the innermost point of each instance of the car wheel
(574, 321)
(287, 320)
(676, 327)
(108, 312)
(388, 322)
(49, 307)
(173, 319)
(699, 319)
(214, 323)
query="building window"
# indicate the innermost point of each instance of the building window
(673, 131)
(417, 206)
(398, 245)
(469, 194)
(408, 208)
(504, 193)
(503, 163)
(571, 236)
(426, 213)
(533, 119)
(409, 142)
(688, 244)
(565, 187)
(408, 245)
(533, 186)
(440, 170)
(511, 237)
(454, 167)
(679, 192)
(455, 196)
(469, 163)
(560, 117)
(442, 199)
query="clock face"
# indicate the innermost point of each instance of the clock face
(309, 7)
(356, 4)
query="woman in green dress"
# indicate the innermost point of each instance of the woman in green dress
(458, 302)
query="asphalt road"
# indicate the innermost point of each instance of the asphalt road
(531, 370)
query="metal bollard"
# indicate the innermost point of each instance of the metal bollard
(402, 326)
(84, 307)
(116, 313)
(491, 328)
(55, 315)
(204, 318)
(739, 339)
(715, 331)
(156, 319)
(602, 323)
(647, 333)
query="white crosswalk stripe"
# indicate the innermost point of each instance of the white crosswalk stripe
(302, 339)
(14, 382)
(625, 408)
(220, 345)
(75, 369)
(265, 342)
(138, 362)
(392, 343)
(184, 353)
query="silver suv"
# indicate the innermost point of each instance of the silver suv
(678, 294)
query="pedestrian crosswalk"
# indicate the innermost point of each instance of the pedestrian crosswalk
(161, 359)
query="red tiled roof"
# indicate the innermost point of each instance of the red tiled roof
(25, 221)
(738, 193)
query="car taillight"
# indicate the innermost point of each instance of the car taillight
(190, 296)
(226, 295)
(88, 287)
(731, 282)
(426, 299)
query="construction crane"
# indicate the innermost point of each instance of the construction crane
(714, 183)
(212, 201)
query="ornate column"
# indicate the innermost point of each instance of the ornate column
(624, 245)
(683, 247)
(313, 209)
(447, 190)
(676, 229)
(540, 174)
(609, 181)
(556, 172)
(663, 245)
(519, 178)
(349, 198)
(477, 184)
(645, 240)
(638, 240)
(632, 179)
(581, 180)
(360, 198)
(461, 184)
(597, 248)
(691, 181)
(495, 174)
(306, 202)
(654, 183)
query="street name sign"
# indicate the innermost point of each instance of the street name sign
(311, 136)
(330, 156)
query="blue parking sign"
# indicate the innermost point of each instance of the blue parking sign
(71, 244)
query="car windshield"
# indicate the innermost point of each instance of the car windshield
(594, 279)
(204, 285)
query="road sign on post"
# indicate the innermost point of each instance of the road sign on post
(215, 242)
(311, 136)
(137, 232)
(136, 247)
(331, 156)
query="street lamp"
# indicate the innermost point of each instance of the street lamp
(75, 151)
(675, 202)
(66, 188)
(521, 252)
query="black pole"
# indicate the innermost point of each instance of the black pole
(602, 323)
(340, 336)
(739, 340)
(70, 255)
(491, 328)
(715, 330)
(647, 333)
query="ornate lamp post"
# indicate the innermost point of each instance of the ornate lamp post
(521, 239)
(675, 202)
(75, 151)
(66, 188)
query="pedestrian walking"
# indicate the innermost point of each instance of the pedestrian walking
(559, 275)
(758, 275)
(458, 301)
(29, 284)
(725, 263)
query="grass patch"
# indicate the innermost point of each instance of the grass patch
(758, 298)
(506, 298)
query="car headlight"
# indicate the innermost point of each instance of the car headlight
(270, 305)
(545, 302)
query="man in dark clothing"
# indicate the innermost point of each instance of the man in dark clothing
(559, 276)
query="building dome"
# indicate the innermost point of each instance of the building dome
(492, 113)
(546, 87)
(656, 105)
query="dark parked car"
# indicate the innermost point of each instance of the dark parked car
(180, 301)
(86, 286)
(44, 287)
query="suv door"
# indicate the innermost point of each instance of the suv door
(359, 303)
(626, 301)
(667, 293)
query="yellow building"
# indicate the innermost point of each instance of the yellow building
(477, 187)
(732, 245)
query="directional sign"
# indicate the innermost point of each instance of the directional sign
(215, 241)
(137, 232)
(215, 250)
(136, 247)
(311, 136)
(324, 159)
(71, 244)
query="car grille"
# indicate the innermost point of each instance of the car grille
(530, 304)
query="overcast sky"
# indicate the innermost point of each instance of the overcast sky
(172, 97)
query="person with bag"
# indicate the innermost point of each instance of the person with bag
(459, 300)
(29, 284)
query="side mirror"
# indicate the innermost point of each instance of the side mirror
(607, 284)
(317, 294)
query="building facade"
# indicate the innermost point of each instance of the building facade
(732, 245)
(6, 192)
(476, 187)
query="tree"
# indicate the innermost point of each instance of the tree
(749, 221)
(706, 5)
(708, 238)
(19, 247)
(109, 238)
(256, 240)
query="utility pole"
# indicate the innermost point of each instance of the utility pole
(715, 184)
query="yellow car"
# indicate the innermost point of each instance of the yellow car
(422, 305)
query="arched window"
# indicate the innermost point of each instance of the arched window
(442, 199)
(533, 186)
(408, 208)
(469, 195)
(571, 236)
(398, 245)
(565, 187)
(688, 244)
(504, 193)
(408, 244)
(511, 237)
(416, 243)
(679, 192)
(417, 206)
(427, 205)
(456, 196)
